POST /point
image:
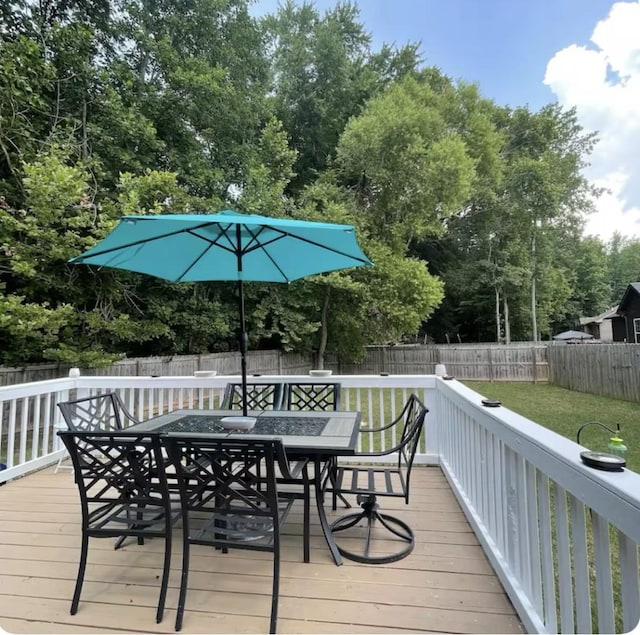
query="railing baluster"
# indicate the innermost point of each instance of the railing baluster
(533, 536)
(602, 566)
(564, 560)
(24, 426)
(11, 440)
(546, 552)
(580, 566)
(629, 582)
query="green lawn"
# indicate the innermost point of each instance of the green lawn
(564, 411)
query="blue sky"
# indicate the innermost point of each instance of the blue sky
(503, 45)
(582, 53)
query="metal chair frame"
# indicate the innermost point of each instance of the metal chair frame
(98, 412)
(232, 483)
(260, 396)
(312, 396)
(360, 480)
(123, 491)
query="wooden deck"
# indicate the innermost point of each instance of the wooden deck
(445, 585)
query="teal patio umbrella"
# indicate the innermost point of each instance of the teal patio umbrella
(226, 246)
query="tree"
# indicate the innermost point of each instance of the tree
(624, 264)
(409, 169)
(323, 74)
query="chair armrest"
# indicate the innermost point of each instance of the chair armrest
(389, 425)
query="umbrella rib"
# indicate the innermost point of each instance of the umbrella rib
(211, 243)
(285, 234)
(144, 241)
(254, 238)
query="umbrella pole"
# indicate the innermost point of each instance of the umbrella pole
(243, 348)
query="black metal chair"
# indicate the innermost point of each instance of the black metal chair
(123, 492)
(312, 396)
(99, 412)
(227, 502)
(323, 396)
(368, 482)
(260, 396)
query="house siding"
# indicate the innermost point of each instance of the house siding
(631, 312)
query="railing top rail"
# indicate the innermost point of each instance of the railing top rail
(614, 495)
(17, 391)
(30, 389)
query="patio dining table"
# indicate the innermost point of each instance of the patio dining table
(317, 436)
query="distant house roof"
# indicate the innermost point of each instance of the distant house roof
(573, 336)
(598, 319)
(631, 290)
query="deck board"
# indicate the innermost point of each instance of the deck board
(445, 585)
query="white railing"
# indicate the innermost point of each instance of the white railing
(563, 538)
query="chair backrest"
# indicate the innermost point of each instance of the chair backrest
(312, 396)
(414, 413)
(100, 412)
(115, 473)
(229, 478)
(260, 396)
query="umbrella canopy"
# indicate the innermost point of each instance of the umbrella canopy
(226, 246)
(573, 335)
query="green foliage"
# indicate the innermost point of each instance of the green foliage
(139, 107)
(27, 329)
(323, 73)
(624, 264)
(410, 170)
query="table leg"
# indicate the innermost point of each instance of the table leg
(324, 523)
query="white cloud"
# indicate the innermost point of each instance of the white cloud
(603, 83)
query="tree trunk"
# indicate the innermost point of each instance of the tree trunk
(534, 319)
(507, 325)
(324, 331)
(497, 316)
(84, 149)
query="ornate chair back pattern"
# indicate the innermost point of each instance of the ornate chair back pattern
(99, 412)
(231, 484)
(260, 396)
(316, 396)
(123, 492)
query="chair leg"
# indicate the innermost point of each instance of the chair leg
(333, 466)
(81, 569)
(183, 579)
(306, 520)
(275, 588)
(165, 573)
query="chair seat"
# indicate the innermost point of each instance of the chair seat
(121, 518)
(370, 480)
(238, 524)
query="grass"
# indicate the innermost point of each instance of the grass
(564, 411)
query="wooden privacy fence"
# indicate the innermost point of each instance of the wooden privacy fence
(491, 362)
(611, 370)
